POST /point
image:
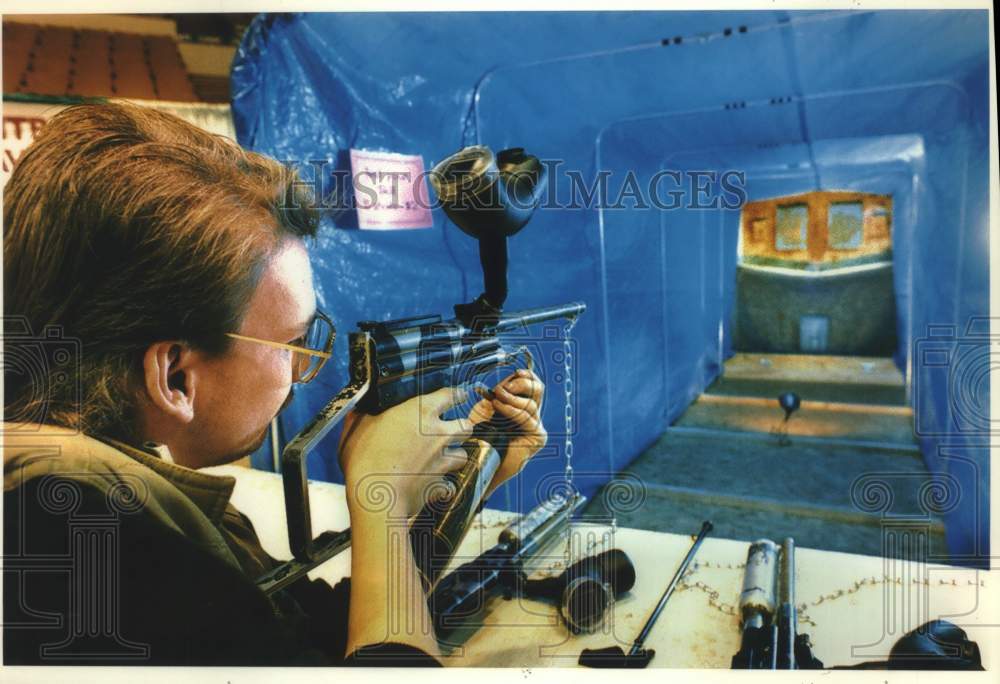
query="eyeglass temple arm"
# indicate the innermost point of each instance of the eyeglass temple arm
(282, 345)
(293, 458)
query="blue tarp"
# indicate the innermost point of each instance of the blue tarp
(887, 102)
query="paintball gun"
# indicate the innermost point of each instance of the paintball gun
(770, 638)
(462, 594)
(393, 361)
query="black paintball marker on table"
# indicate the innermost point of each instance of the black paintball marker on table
(390, 362)
(463, 593)
(768, 620)
(586, 590)
(934, 645)
(583, 592)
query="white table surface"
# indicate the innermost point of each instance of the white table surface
(856, 606)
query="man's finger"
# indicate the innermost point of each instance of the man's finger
(523, 419)
(525, 386)
(481, 412)
(523, 403)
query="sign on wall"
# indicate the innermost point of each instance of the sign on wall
(390, 190)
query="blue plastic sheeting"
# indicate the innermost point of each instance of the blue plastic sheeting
(883, 102)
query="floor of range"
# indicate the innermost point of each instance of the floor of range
(844, 473)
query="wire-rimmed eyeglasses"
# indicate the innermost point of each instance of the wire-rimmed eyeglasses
(310, 351)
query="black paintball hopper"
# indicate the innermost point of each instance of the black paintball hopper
(489, 198)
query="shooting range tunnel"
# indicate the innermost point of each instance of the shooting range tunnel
(674, 405)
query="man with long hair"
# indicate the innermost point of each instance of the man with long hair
(177, 265)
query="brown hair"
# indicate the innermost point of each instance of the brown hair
(124, 226)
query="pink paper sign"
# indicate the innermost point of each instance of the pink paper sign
(390, 190)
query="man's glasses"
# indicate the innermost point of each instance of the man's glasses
(310, 351)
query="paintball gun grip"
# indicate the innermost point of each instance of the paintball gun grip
(440, 526)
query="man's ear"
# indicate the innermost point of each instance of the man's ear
(170, 379)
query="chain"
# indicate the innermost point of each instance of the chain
(802, 608)
(568, 409)
(569, 557)
(713, 597)
(568, 415)
(602, 541)
(713, 594)
(871, 582)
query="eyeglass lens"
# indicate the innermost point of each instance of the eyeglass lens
(318, 338)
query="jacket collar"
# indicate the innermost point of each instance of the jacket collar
(210, 493)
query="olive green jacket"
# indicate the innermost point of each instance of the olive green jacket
(187, 501)
(115, 555)
(142, 561)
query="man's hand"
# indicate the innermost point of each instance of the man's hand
(392, 461)
(408, 445)
(519, 398)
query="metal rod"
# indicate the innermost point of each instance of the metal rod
(508, 322)
(786, 595)
(706, 527)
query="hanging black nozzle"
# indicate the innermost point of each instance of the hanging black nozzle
(790, 402)
(489, 198)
